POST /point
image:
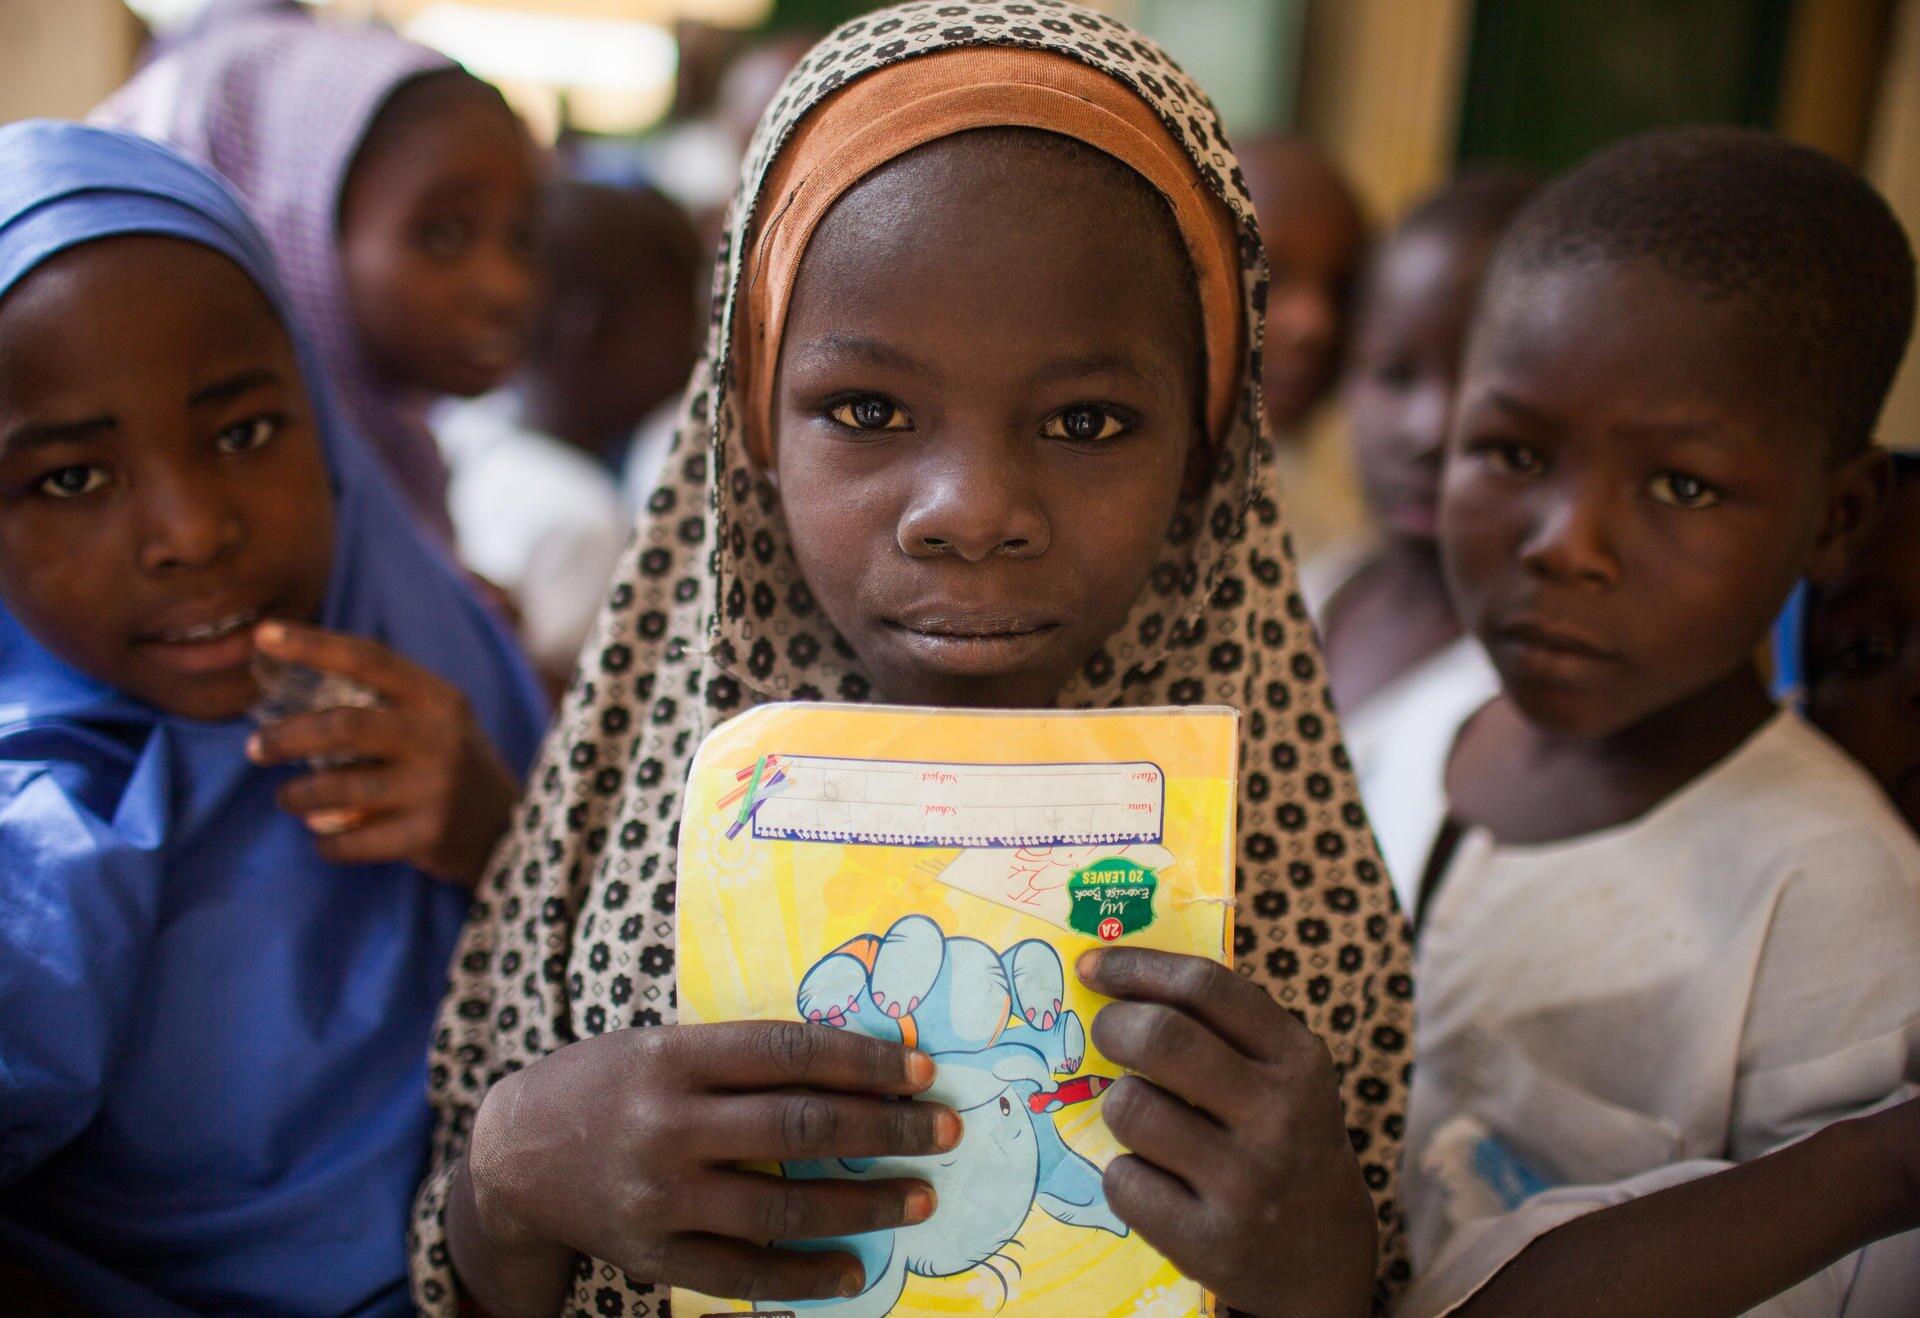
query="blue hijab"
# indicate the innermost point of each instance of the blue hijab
(1791, 630)
(212, 1043)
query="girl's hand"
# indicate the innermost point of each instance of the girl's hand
(623, 1147)
(424, 785)
(1240, 1171)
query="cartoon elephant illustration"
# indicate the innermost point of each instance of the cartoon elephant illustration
(954, 998)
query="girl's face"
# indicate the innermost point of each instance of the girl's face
(162, 487)
(1863, 652)
(986, 403)
(1406, 363)
(436, 237)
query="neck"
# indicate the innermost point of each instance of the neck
(1685, 739)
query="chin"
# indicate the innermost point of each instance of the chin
(207, 702)
(1563, 710)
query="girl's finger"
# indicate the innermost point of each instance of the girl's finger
(1174, 1136)
(777, 1054)
(1179, 1054)
(1236, 1009)
(345, 733)
(378, 841)
(735, 1270)
(808, 1124)
(750, 1206)
(359, 790)
(1167, 1214)
(368, 662)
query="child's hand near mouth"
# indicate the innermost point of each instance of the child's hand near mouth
(416, 780)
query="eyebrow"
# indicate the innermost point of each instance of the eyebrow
(1092, 363)
(1506, 402)
(873, 350)
(232, 387)
(44, 434)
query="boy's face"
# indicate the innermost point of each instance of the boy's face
(1863, 653)
(1406, 362)
(436, 244)
(1627, 499)
(986, 400)
(162, 487)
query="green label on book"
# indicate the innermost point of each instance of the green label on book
(1111, 898)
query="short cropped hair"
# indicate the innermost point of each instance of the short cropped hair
(1740, 213)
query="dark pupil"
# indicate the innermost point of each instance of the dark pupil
(871, 413)
(71, 479)
(1082, 423)
(1686, 487)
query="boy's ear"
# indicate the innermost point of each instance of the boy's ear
(1856, 493)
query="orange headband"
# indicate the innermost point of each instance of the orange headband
(891, 111)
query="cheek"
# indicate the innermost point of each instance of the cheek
(1480, 527)
(50, 561)
(394, 290)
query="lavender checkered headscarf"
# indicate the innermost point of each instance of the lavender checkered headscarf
(279, 104)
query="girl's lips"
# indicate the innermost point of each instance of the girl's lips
(197, 649)
(970, 649)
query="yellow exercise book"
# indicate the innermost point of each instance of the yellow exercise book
(930, 876)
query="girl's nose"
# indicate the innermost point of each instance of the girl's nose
(188, 523)
(1568, 543)
(973, 506)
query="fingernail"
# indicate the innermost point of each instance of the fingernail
(271, 633)
(919, 1204)
(332, 821)
(947, 1129)
(920, 1070)
(255, 748)
(1089, 963)
(852, 1283)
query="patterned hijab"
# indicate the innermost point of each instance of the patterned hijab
(279, 104)
(573, 933)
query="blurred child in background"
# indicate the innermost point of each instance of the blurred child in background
(537, 467)
(398, 192)
(1395, 658)
(1315, 235)
(1851, 646)
(217, 976)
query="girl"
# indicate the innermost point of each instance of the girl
(398, 191)
(210, 1081)
(979, 424)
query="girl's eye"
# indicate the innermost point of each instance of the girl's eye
(446, 239)
(1513, 458)
(72, 482)
(1084, 424)
(1679, 490)
(248, 435)
(871, 413)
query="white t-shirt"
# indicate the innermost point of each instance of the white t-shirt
(1399, 739)
(536, 517)
(1615, 1013)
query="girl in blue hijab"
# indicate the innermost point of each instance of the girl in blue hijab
(218, 962)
